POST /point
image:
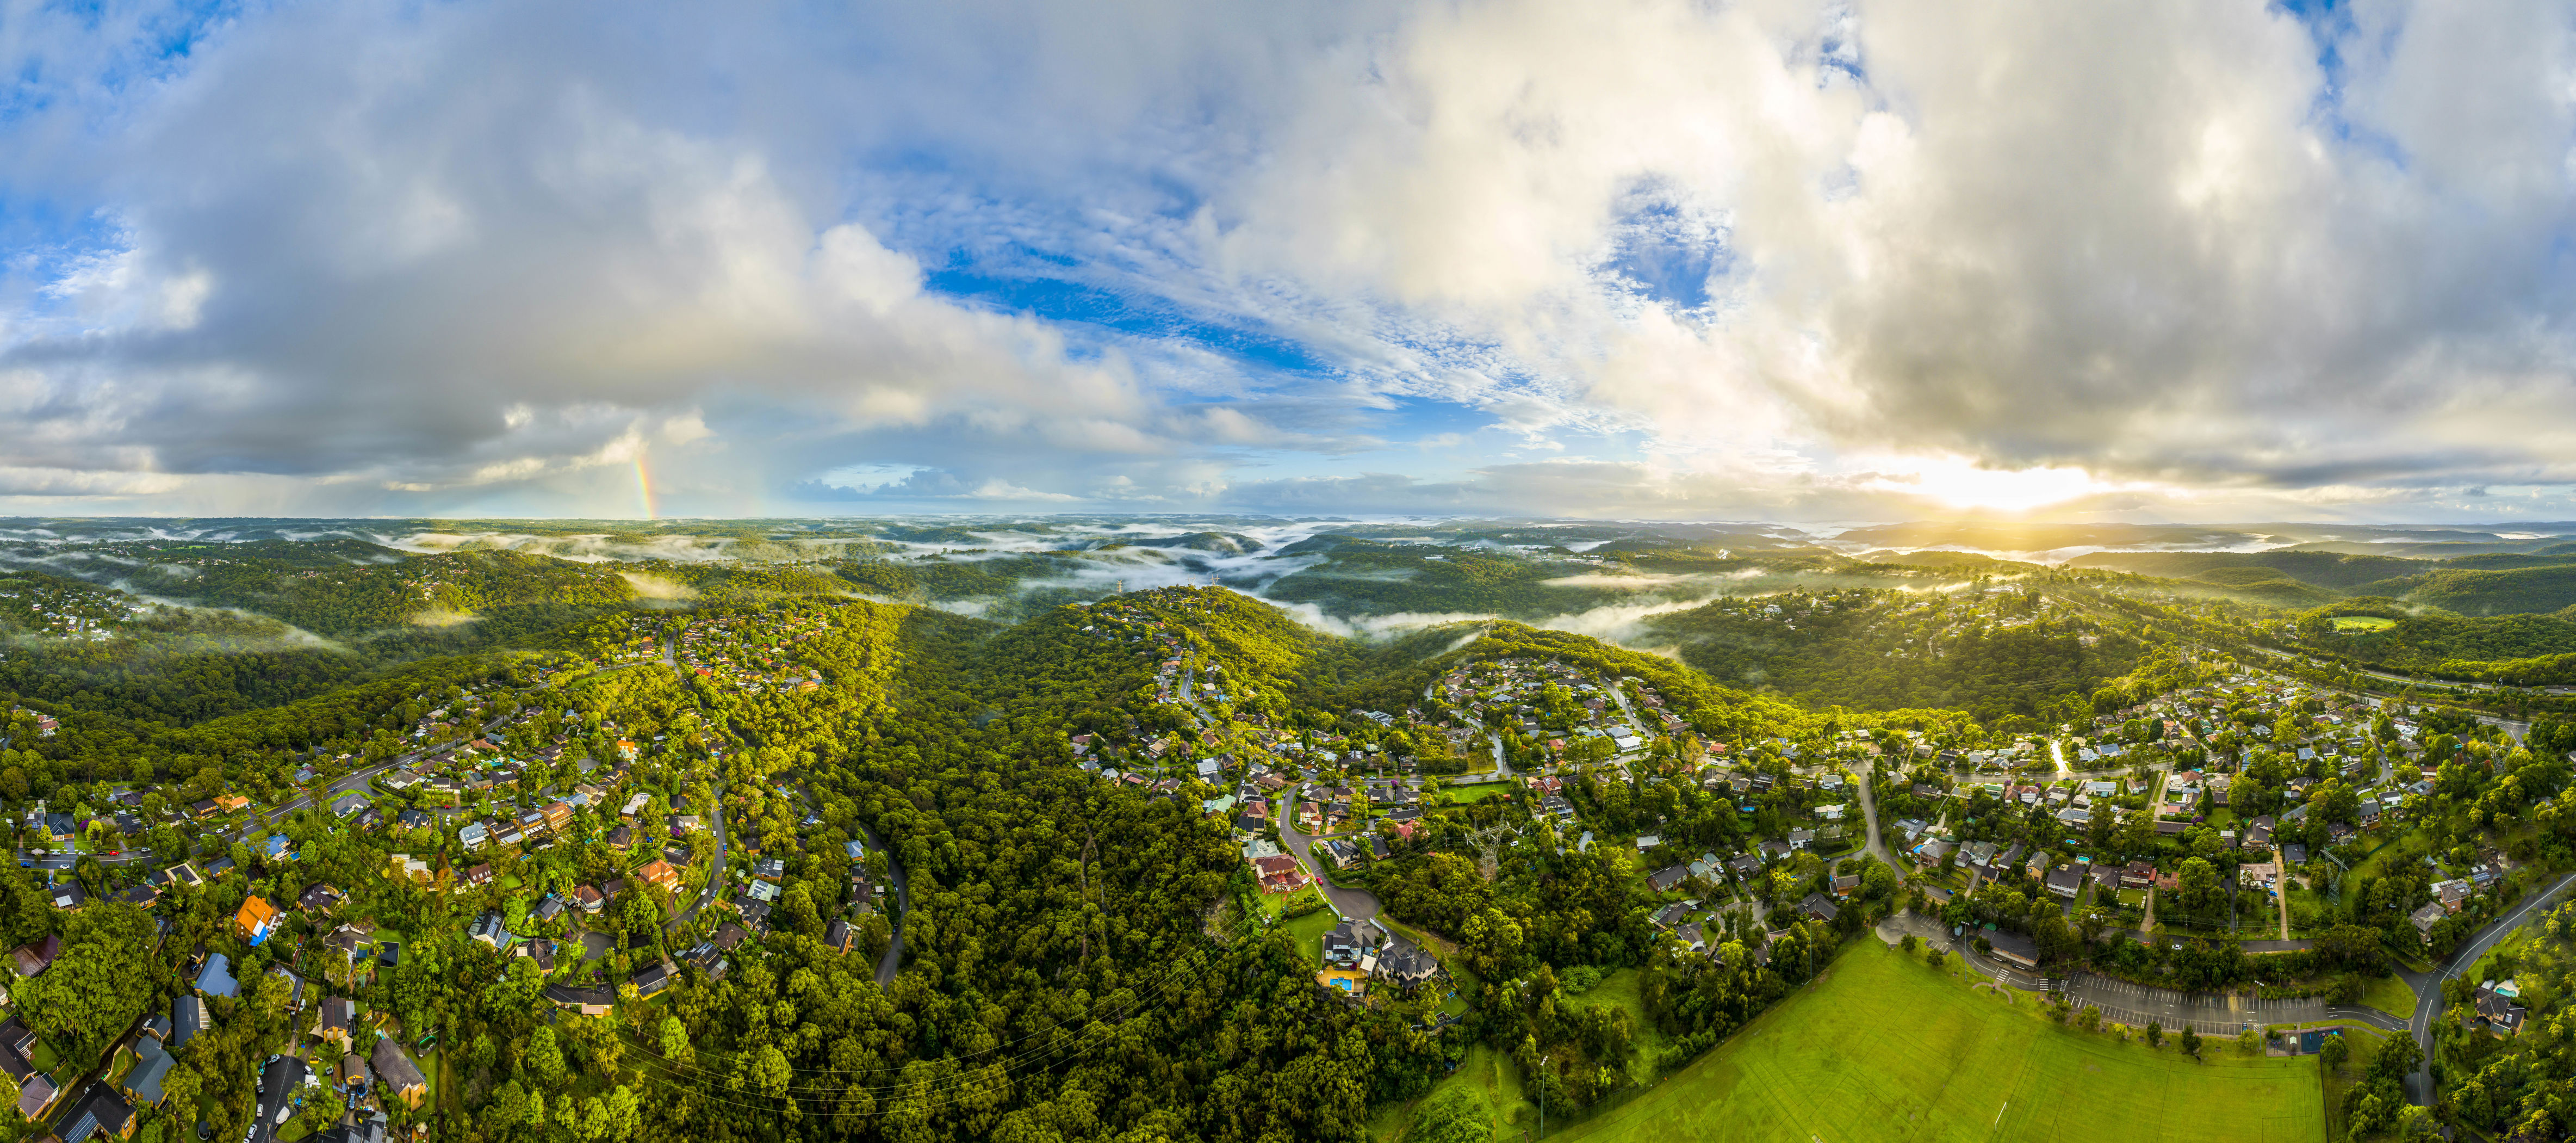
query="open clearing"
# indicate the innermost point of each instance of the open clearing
(2363, 623)
(1886, 1048)
(2391, 995)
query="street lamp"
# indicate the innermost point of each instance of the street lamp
(1542, 1097)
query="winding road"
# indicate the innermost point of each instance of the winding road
(1351, 904)
(2428, 986)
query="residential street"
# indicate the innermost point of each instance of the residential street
(2428, 987)
(892, 961)
(355, 780)
(1353, 904)
(277, 1085)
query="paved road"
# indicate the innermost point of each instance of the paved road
(355, 780)
(1353, 904)
(2513, 727)
(716, 872)
(892, 961)
(2428, 988)
(278, 1082)
(2212, 1014)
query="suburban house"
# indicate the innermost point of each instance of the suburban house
(660, 873)
(36, 1094)
(320, 898)
(2499, 1008)
(338, 1014)
(103, 1114)
(2065, 881)
(2137, 875)
(489, 930)
(142, 1082)
(36, 956)
(651, 980)
(587, 1001)
(1278, 874)
(1406, 965)
(216, 978)
(256, 919)
(2425, 918)
(396, 1072)
(1818, 906)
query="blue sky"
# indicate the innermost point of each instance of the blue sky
(1771, 260)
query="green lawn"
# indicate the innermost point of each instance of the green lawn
(1886, 1048)
(2364, 1044)
(1491, 1079)
(1465, 794)
(1622, 989)
(2391, 995)
(1308, 931)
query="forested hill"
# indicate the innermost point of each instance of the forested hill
(354, 599)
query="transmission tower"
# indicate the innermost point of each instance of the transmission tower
(1489, 847)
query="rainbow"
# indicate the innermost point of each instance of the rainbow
(644, 486)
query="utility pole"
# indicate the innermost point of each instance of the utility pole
(1542, 1097)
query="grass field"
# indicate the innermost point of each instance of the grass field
(2362, 623)
(1621, 989)
(1885, 1048)
(2365, 1044)
(2390, 995)
(1308, 931)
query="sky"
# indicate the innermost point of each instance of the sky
(1762, 260)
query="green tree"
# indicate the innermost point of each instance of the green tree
(544, 1058)
(1453, 1116)
(322, 1109)
(2397, 1058)
(99, 985)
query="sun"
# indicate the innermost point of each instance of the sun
(1962, 484)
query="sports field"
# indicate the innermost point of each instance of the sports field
(1887, 1049)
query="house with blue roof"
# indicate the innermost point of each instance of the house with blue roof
(216, 979)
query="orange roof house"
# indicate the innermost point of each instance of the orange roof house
(660, 873)
(256, 919)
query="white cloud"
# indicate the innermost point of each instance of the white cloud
(1643, 257)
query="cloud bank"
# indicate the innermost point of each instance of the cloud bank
(2202, 259)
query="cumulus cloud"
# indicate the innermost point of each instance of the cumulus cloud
(1646, 257)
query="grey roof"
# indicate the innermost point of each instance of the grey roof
(395, 1065)
(151, 1067)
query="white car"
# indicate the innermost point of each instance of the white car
(282, 1113)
